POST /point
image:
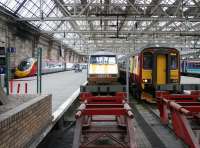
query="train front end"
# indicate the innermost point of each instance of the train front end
(103, 68)
(159, 66)
(26, 68)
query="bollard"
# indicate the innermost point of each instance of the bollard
(11, 87)
(26, 88)
(18, 88)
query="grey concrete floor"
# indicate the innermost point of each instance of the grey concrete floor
(61, 85)
(189, 80)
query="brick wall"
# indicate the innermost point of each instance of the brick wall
(21, 126)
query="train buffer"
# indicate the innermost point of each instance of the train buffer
(183, 109)
(104, 121)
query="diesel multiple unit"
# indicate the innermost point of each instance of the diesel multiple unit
(149, 67)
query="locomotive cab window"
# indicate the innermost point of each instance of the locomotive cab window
(174, 62)
(147, 61)
(103, 60)
(24, 65)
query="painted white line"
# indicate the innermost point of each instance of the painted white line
(60, 111)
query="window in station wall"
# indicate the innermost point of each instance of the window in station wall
(2, 60)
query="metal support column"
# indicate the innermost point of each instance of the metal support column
(39, 70)
(127, 76)
(7, 76)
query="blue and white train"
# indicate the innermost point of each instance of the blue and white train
(190, 66)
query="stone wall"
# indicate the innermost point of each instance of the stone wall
(19, 127)
(25, 38)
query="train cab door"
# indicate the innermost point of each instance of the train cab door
(161, 64)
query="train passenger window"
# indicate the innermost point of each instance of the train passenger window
(198, 65)
(174, 62)
(148, 61)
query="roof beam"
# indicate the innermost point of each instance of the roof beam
(68, 14)
(60, 5)
(135, 32)
(133, 6)
(85, 8)
(110, 18)
(124, 5)
(156, 7)
(20, 6)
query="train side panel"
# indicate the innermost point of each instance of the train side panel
(136, 69)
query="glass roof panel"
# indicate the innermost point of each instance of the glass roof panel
(168, 1)
(36, 23)
(12, 5)
(57, 35)
(118, 1)
(189, 2)
(29, 9)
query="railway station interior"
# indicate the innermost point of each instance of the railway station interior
(99, 74)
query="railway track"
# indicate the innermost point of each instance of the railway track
(148, 119)
(150, 133)
(154, 111)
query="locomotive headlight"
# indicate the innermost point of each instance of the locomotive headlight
(146, 80)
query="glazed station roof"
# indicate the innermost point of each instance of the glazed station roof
(115, 25)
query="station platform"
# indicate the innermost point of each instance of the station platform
(64, 87)
(189, 80)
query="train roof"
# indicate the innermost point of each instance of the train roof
(192, 60)
(103, 53)
(154, 46)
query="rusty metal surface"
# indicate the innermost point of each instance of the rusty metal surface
(182, 112)
(105, 124)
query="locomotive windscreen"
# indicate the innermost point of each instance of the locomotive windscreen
(24, 65)
(148, 61)
(103, 59)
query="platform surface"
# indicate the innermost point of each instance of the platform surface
(189, 80)
(61, 85)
